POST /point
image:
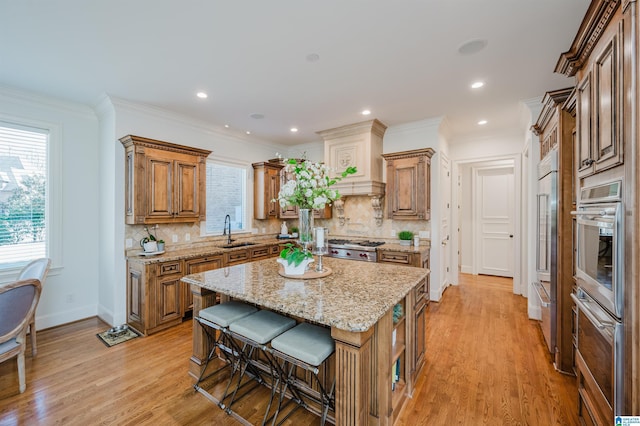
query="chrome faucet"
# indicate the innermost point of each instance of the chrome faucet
(227, 225)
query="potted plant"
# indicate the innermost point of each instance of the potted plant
(294, 259)
(150, 243)
(294, 232)
(405, 237)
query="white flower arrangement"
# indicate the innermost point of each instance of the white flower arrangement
(310, 187)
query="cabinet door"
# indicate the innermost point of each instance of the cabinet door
(287, 212)
(272, 189)
(607, 148)
(186, 190)
(419, 339)
(409, 180)
(167, 299)
(584, 158)
(136, 297)
(159, 203)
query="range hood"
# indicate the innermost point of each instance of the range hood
(358, 145)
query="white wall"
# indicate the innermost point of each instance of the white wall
(465, 154)
(70, 290)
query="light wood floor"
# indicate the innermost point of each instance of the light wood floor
(485, 364)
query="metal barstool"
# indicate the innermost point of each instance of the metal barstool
(215, 321)
(306, 346)
(256, 332)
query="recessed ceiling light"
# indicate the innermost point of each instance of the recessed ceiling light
(477, 85)
(294, 129)
(248, 132)
(202, 95)
(226, 126)
(365, 112)
(472, 46)
(482, 122)
(257, 116)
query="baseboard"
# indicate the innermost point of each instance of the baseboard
(65, 317)
(466, 269)
(534, 311)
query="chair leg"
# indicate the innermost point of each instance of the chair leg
(21, 372)
(32, 332)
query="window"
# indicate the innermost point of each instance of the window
(24, 214)
(226, 195)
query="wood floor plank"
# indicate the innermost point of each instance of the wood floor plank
(485, 365)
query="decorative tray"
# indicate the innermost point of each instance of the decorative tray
(307, 275)
(151, 253)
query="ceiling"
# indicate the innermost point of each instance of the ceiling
(314, 65)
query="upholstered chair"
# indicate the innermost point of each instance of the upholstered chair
(38, 269)
(18, 302)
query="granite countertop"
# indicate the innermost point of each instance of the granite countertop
(206, 249)
(352, 298)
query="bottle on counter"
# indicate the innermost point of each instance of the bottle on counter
(416, 241)
(283, 229)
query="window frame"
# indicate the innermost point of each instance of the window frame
(248, 197)
(53, 199)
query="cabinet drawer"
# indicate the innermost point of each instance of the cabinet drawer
(420, 293)
(236, 256)
(395, 257)
(275, 249)
(167, 268)
(258, 252)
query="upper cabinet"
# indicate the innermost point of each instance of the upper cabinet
(164, 182)
(409, 184)
(266, 186)
(597, 59)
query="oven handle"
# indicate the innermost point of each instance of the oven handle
(606, 212)
(545, 301)
(584, 305)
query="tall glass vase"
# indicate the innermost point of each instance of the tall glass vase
(305, 228)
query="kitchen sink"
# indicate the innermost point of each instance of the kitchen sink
(234, 245)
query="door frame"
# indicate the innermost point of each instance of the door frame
(519, 287)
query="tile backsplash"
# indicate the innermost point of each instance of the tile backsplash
(359, 222)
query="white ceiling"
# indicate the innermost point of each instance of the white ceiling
(397, 58)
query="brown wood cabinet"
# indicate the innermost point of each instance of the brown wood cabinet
(409, 184)
(164, 182)
(555, 128)
(157, 299)
(603, 58)
(266, 186)
(193, 266)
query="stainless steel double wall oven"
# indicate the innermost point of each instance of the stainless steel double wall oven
(599, 263)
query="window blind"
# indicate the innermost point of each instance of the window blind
(23, 194)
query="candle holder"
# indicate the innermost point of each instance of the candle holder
(320, 245)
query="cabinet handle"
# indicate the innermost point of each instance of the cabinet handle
(587, 162)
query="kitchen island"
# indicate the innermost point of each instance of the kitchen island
(377, 358)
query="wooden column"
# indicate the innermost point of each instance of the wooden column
(202, 298)
(353, 376)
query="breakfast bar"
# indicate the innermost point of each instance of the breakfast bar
(376, 314)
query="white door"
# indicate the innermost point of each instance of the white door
(494, 206)
(445, 219)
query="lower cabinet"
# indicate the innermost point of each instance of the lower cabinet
(157, 298)
(193, 266)
(408, 345)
